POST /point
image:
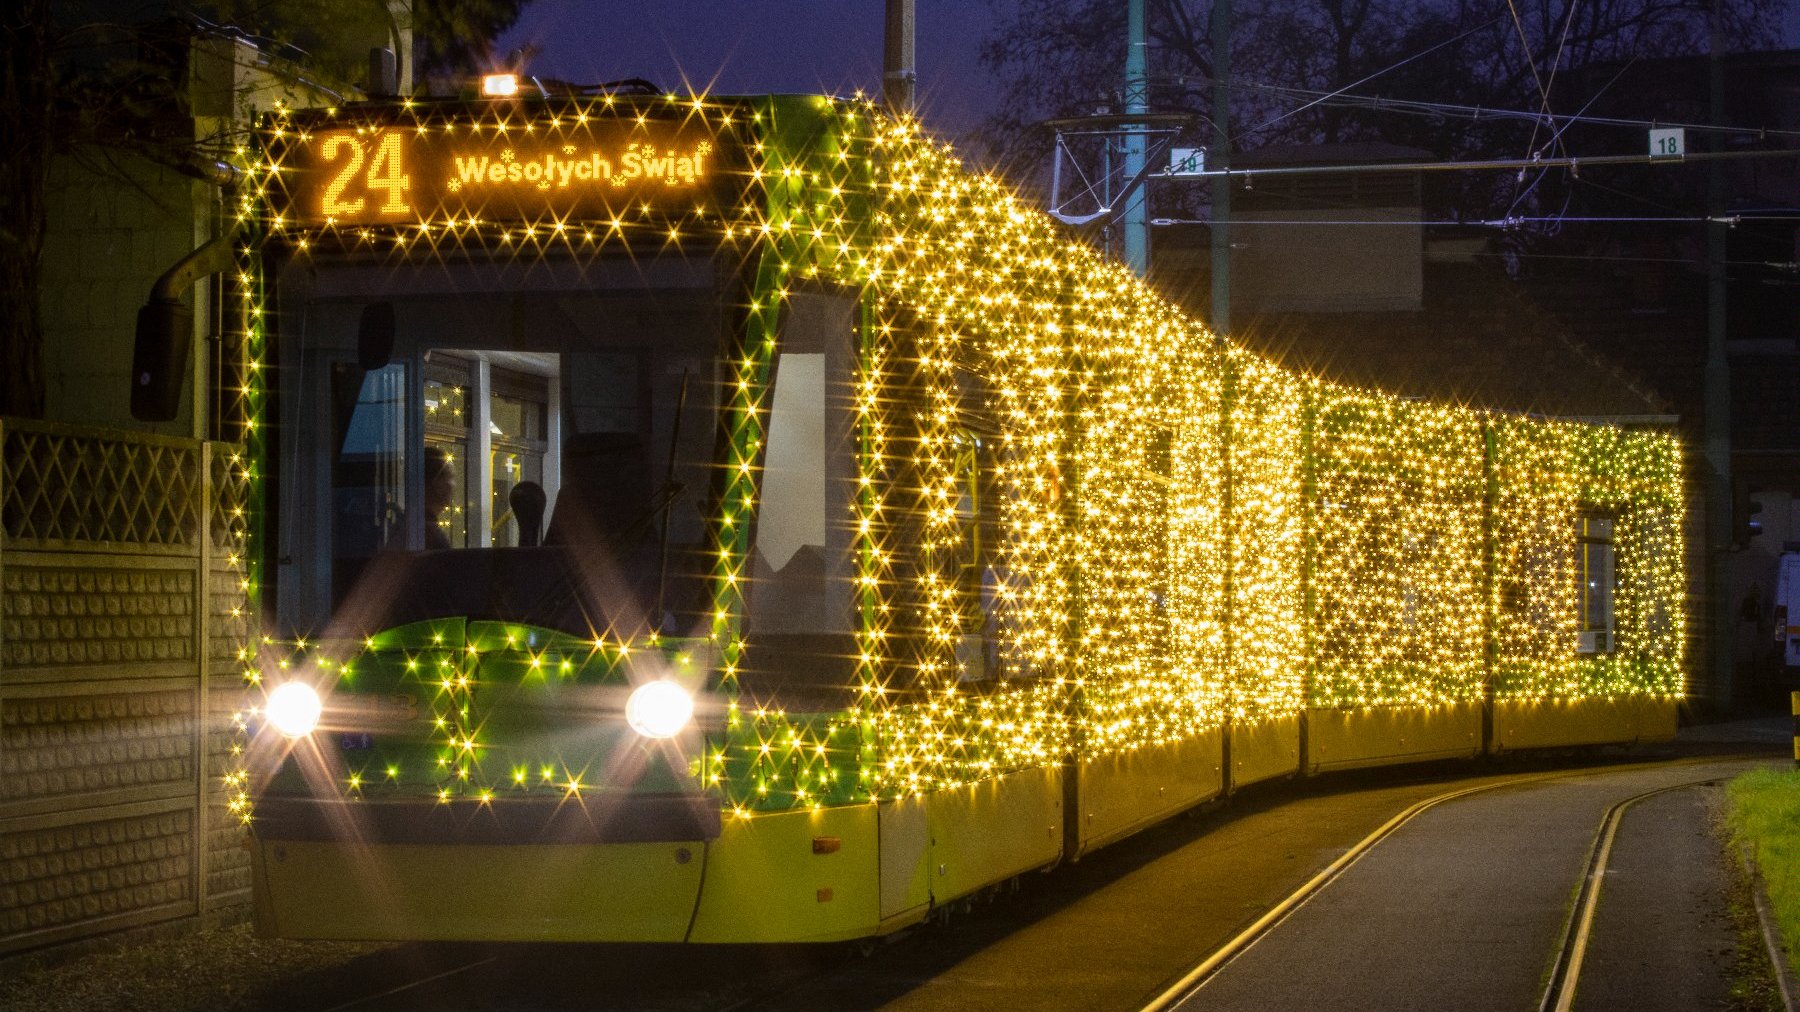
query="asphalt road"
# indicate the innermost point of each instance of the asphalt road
(1465, 907)
(1663, 938)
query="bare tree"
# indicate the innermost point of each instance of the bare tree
(84, 79)
(25, 104)
(1288, 55)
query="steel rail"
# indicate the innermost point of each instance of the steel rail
(1565, 974)
(1196, 978)
(1192, 981)
(421, 982)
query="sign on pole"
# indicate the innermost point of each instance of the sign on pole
(1669, 142)
(1186, 161)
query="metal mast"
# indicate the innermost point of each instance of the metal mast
(899, 77)
(1134, 221)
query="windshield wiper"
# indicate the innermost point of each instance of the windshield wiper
(673, 490)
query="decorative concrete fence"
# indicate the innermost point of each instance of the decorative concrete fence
(123, 616)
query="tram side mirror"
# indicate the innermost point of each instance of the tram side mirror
(375, 336)
(165, 334)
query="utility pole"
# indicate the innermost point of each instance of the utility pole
(1134, 220)
(899, 76)
(1220, 158)
(1717, 409)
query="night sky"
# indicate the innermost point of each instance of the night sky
(759, 46)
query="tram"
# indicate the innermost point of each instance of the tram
(701, 519)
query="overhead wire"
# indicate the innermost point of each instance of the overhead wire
(1559, 124)
(1379, 73)
(1420, 107)
(1628, 195)
(1510, 221)
(1555, 142)
(1556, 66)
(1530, 61)
(1531, 148)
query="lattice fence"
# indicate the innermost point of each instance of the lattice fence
(66, 484)
(123, 614)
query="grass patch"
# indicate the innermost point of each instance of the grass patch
(1763, 814)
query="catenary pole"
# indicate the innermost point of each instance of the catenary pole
(1717, 410)
(899, 75)
(1134, 221)
(1220, 157)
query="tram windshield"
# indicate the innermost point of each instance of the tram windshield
(518, 442)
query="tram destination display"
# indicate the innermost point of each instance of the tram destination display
(548, 170)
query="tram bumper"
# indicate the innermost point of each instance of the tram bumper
(594, 869)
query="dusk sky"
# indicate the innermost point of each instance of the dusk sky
(752, 46)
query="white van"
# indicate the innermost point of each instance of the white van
(1787, 609)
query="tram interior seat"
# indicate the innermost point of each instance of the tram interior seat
(527, 501)
(604, 490)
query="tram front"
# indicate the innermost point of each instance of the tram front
(494, 434)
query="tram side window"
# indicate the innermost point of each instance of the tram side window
(1598, 579)
(978, 567)
(971, 636)
(800, 617)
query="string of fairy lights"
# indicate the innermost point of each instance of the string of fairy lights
(1081, 521)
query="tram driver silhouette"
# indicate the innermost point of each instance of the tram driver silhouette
(440, 491)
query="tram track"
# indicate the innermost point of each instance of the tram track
(1576, 933)
(369, 1000)
(1191, 982)
(1565, 975)
(795, 980)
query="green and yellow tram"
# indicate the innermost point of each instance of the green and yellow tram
(729, 519)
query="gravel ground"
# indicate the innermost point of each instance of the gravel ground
(228, 969)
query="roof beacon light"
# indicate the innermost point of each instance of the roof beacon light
(500, 85)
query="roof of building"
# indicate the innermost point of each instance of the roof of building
(1478, 339)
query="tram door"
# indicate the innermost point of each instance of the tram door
(972, 558)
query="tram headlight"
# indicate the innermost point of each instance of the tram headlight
(294, 709)
(659, 709)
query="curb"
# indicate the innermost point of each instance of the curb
(1778, 956)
